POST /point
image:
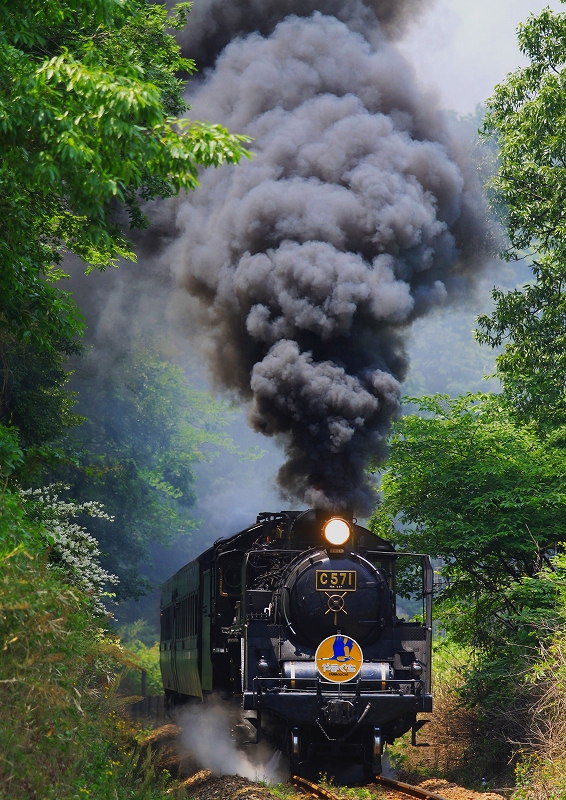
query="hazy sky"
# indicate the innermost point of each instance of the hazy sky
(464, 47)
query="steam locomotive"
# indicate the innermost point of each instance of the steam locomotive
(296, 617)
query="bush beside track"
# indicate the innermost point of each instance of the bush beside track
(60, 734)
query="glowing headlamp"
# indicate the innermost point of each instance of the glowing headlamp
(337, 531)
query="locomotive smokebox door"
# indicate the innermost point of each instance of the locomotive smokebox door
(346, 593)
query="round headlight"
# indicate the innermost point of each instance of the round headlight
(336, 531)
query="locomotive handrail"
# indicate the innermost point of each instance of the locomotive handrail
(277, 552)
(350, 688)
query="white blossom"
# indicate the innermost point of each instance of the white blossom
(74, 549)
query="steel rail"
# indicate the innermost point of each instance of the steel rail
(412, 791)
(314, 788)
(388, 783)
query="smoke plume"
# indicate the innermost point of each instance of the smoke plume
(215, 23)
(301, 270)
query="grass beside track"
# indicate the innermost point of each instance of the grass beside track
(61, 737)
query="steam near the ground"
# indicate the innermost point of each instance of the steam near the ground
(213, 734)
(302, 270)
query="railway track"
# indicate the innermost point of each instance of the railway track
(412, 791)
(388, 783)
(313, 788)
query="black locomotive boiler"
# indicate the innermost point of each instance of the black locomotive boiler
(296, 618)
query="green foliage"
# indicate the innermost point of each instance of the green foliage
(11, 455)
(542, 767)
(35, 401)
(447, 661)
(144, 655)
(526, 119)
(539, 777)
(88, 125)
(531, 323)
(89, 128)
(62, 737)
(145, 430)
(73, 552)
(53, 672)
(470, 485)
(87, 120)
(525, 115)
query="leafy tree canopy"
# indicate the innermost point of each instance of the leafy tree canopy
(88, 122)
(35, 400)
(472, 486)
(144, 431)
(532, 323)
(469, 484)
(527, 116)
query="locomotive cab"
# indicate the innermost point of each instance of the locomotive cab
(296, 617)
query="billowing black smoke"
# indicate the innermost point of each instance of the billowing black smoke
(215, 23)
(303, 268)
